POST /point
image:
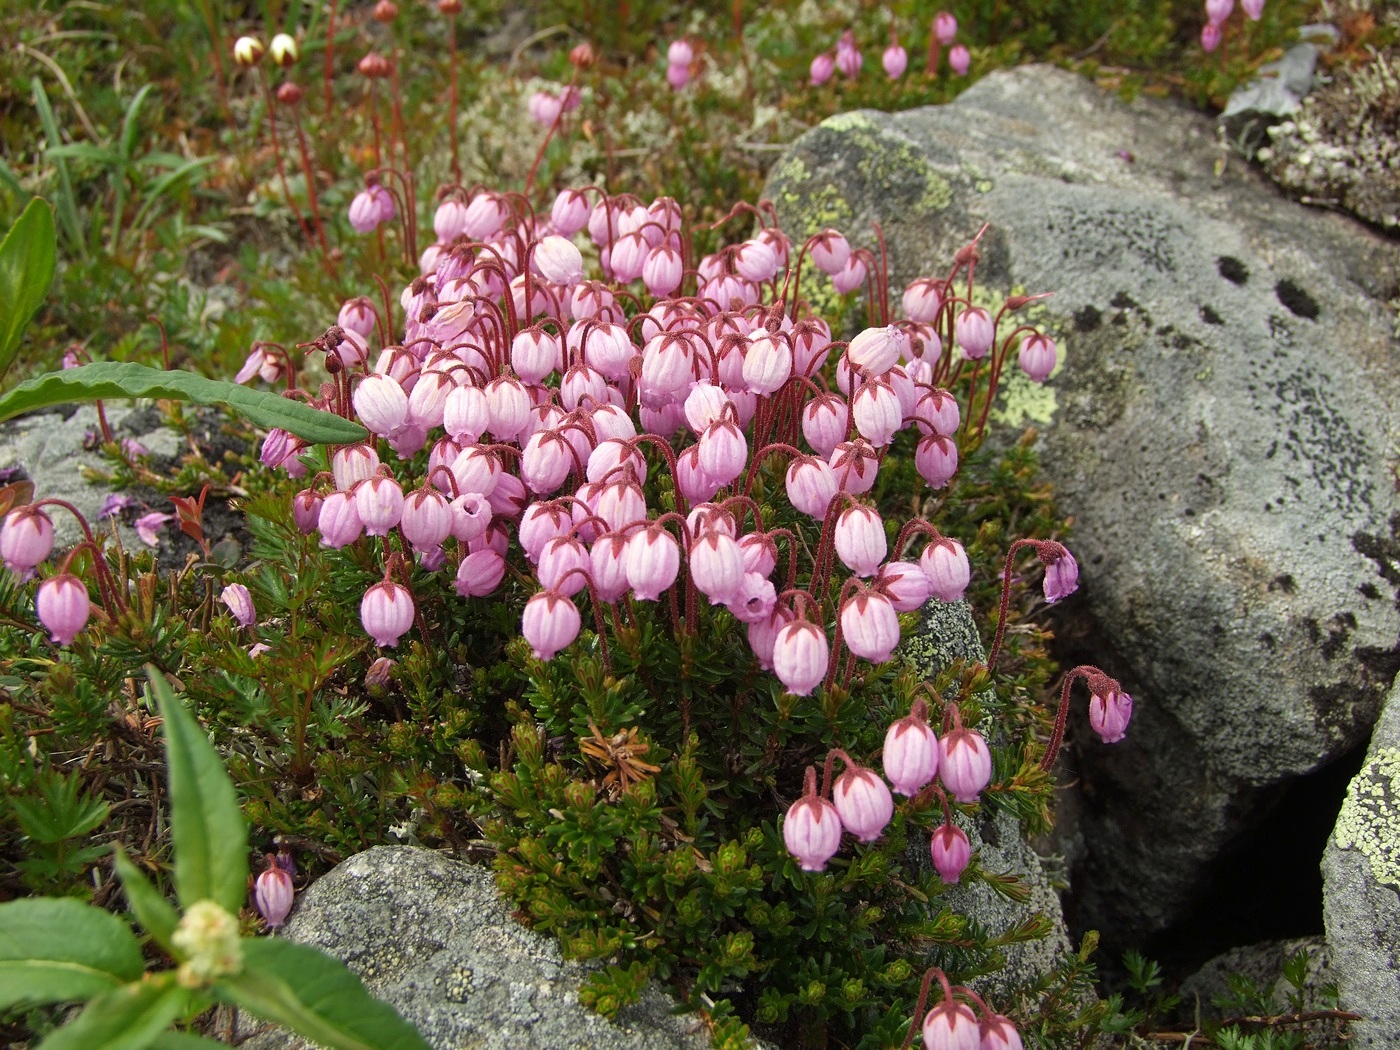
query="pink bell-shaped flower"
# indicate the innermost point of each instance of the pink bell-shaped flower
(386, 611)
(563, 566)
(951, 1025)
(240, 603)
(855, 464)
(998, 1033)
(860, 540)
(923, 299)
(904, 584)
(1037, 357)
(877, 350)
(273, 894)
(830, 250)
(379, 502)
(825, 418)
(945, 27)
(800, 656)
(877, 412)
(964, 763)
(944, 562)
(869, 626)
(1210, 37)
(950, 851)
(974, 332)
(821, 69)
(426, 519)
(550, 623)
(959, 59)
(716, 566)
(863, 802)
(910, 756)
(811, 486)
(1061, 571)
(1109, 712)
(26, 539)
(812, 827)
(936, 459)
(62, 606)
(338, 521)
(480, 573)
(895, 60)
(653, 560)
(558, 260)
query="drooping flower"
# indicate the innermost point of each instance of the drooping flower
(863, 802)
(950, 850)
(386, 611)
(62, 606)
(964, 763)
(1109, 712)
(812, 828)
(26, 539)
(240, 603)
(273, 894)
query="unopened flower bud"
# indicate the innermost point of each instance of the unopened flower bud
(950, 851)
(374, 66)
(62, 605)
(385, 11)
(26, 539)
(247, 51)
(863, 802)
(208, 944)
(289, 94)
(240, 603)
(283, 49)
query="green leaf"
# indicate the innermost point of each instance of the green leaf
(107, 379)
(56, 949)
(60, 811)
(67, 202)
(315, 996)
(206, 825)
(26, 270)
(127, 1018)
(152, 910)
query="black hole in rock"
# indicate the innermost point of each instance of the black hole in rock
(1268, 884)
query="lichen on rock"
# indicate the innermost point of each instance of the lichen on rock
(1369, 821)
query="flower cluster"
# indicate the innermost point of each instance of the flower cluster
(528, 406)
(846, 57)
(952, 1025)
(1218, 11)
(863, 805)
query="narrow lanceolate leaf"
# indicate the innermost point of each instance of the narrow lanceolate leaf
(26, 271)
(151, 909)
(55, 950)
(127, 1018)
(315, 996)
(110, 379)
(206, 825)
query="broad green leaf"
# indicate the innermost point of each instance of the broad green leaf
(26, 271)
(107, 379)
(206, 825)
(56, 949)
(152, 910)
(127, 1018)
(315, 996)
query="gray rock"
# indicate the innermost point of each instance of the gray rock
(48, 447)
(432, 937)
(1361, 888)
(1222, 435)
(948, 633)
(1262, 965)
(1275, 92)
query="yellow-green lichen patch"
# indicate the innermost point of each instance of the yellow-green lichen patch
(1369, 822)
(848, 122)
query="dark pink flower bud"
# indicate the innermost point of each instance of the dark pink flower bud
(62, 606)
(944, 562)
(821, 69)
(959, 59)
(26, 539)
(870, 626)
(936, 459)
(378, 676)
(1210, 37)
(964, 763)
(863, 802)
(860, 540)
(950, 851)
(800, 656)
(480, 573)
(1109, 713)
(812, 828)
(1061, 571)
(306, 511)
(386, 611)
(273, 895)
(910, 756)
(240, 603)
(550, 623)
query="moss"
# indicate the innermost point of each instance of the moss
(1370, 818)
